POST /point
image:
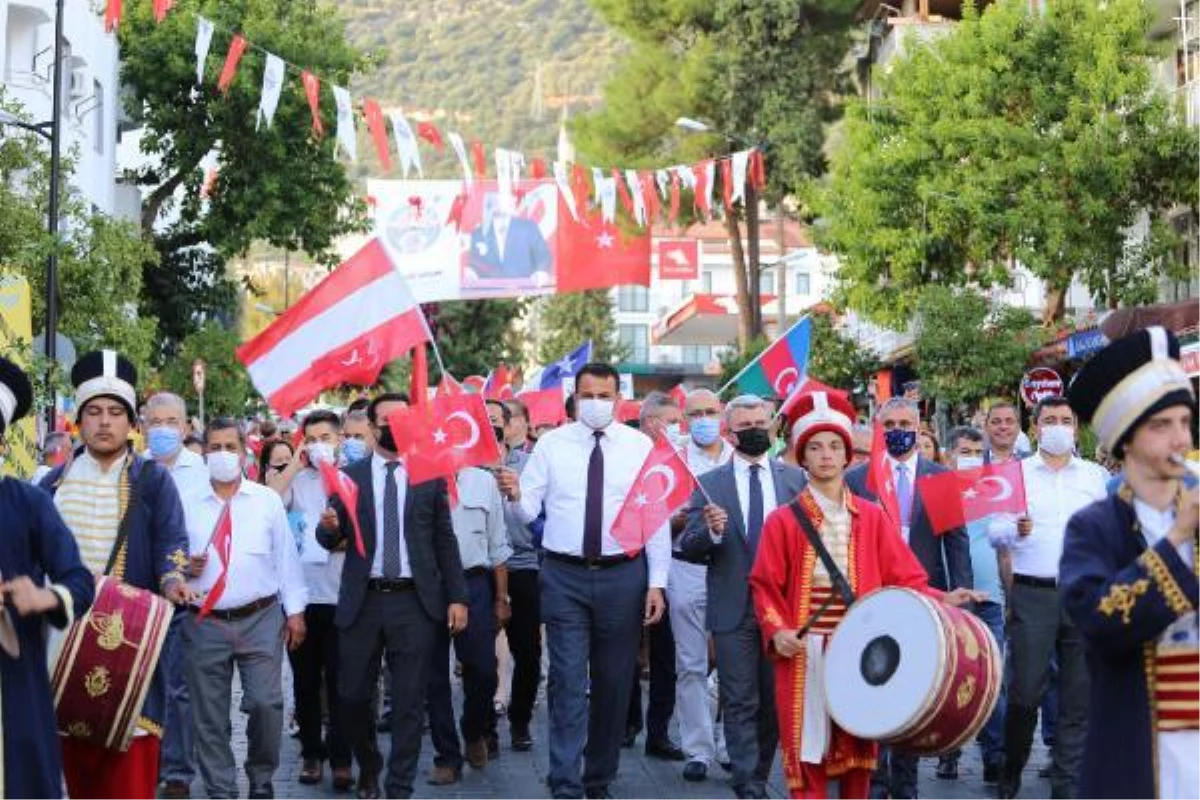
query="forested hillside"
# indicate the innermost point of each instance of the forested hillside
(474, 66)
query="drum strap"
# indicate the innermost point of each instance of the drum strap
(840, 584)
(135, 491)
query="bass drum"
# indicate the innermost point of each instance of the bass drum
(910, 672)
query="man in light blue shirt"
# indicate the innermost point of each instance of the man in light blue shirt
(965, 447)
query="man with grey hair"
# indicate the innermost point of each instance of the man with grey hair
(165, 423)
(946, 558)
(659, 416)
(687, 593)
(743, 492)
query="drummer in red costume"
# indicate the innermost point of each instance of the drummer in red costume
(789, 583)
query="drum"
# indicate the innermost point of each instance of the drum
(908, 671)
(107, 663)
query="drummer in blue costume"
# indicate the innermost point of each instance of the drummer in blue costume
(42, 580)
(1129, 575)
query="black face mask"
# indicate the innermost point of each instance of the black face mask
(753, 442)
(386, 440)
(498, 432)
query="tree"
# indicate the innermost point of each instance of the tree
(227, 389)
(568, 320)
(964, 350)
(280, 183)
(186, 283)
(1037, 139)
(768, 71)
(837, 360)
(474, 336)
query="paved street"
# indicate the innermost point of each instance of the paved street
(523, 774)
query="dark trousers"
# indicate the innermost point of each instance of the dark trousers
(747, 702)
(393, 623)
(661, 704)
(1039, 631)
(176, 761)
(524, 633)
(315, 668)
(475, 648)
(593, 619)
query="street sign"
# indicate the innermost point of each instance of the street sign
(198, 376)
(1040, 383)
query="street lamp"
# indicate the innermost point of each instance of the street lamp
(50, 130)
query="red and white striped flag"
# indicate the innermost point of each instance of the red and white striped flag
(341, 484)
(345, 330)
(221, 541)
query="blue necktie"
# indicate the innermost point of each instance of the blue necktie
(391, 523)
(593, 507)
(904, 495)
(754, 516)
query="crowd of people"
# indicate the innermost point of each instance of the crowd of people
(375, 606)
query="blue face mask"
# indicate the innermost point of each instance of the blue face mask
(163, 441)
(354, 450)
(705, 430)
(899, 442)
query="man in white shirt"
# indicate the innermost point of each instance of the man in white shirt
(244, 626)
(1057, 484)
(595, 598)
(165, 422)
(704, 450)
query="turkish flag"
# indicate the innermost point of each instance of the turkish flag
(443, 436)
(546, 406)
(222, 542)
(499, 384)
(662, 487)
(952, 499)
(879, 478)
(339, 483)
(595, 255)
(449, 386)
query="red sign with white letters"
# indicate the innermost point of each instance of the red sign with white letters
(678, 259)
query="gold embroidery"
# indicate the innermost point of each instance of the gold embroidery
(97, 682)
(179, 559)
(1165, 582)
(929, 740)
(111, 630)
(966, 691)
(969, 642)
(150, 726)
(79, 730)
(1122, 598)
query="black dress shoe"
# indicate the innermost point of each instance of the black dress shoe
(947, 768)
(991, 772)
(264, 792)
(368, 788)
(631, 735)
(597, 792)
(695, 771)
(521, 740)
(664, 749)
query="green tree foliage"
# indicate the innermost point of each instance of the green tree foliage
(185, 284)
(99, 259)
(227, 388)
(569, 319)
(767, 71)
(474, 336)
(836, 359)
(1037, 139)
(965, 350)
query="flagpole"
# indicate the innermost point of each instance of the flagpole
(754, 360)
(695, 477)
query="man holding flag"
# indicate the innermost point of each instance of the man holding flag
(256, 569)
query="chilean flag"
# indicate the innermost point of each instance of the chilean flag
(345, 330)
(780, 368)
(567, 366)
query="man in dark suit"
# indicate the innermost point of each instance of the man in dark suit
(508, 246)
(743, 492)
(946, 558)
(410, 581)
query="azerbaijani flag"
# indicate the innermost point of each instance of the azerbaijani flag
(781, 367)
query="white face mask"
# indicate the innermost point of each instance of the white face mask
(1056, 440)
(970, 462)
(320, 451)
(597, 414)
(674, 432)
(224, 466)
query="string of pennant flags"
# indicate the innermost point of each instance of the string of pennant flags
(644, 194)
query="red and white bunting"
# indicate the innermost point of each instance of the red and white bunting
(347, 138)
(740, 166)
(272, 86)
(312, 90)
(460, 150)
(204, 37)
(406, 144)
(237, 47)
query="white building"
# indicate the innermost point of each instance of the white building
(90, 99)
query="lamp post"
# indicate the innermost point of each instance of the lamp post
(50, 130)
(752, 222)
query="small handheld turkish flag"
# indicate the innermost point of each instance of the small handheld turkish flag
(879, 478)
(662, 487)
(222, 542)
(341, 484)
(443, 436)
(952, 499)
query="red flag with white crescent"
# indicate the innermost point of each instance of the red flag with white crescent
(339, 483)
(662, 487)
(952, 499)
(879, 478)
(445, 435)
(222, 542)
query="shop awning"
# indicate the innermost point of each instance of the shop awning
(703, 319)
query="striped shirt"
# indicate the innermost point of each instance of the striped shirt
(89, 501)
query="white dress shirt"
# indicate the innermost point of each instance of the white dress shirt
(306, 498)
(700, 462)
(263, 560)
(556, 478)
(910, 462)
(1053, 496)
(741, 476)
(379, 484)
(190, 472)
